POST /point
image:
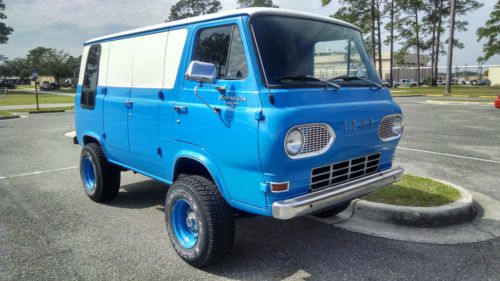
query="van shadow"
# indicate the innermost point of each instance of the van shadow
(141, 195)
(298, 249)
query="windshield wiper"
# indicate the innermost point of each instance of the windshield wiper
(349, 78)
(306, 77)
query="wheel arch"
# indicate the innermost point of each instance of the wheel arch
(199, 164)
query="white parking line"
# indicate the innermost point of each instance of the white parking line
(450, 155)
(37, 172)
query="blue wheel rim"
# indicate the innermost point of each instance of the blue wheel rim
(184, 223)
(88, 173)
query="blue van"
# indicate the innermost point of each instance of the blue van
(254, 111)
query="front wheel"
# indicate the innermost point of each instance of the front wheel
(200, 224)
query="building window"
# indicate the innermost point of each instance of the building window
(90, 78)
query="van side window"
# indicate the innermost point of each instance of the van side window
(90, 77)
(223, 47)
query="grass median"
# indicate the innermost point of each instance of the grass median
(465, 91)
(5, 113)
(416, 192)
(24, 98)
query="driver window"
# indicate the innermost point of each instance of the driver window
(223, 47)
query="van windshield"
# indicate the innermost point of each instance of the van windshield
(293, 48)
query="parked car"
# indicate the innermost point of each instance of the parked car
(485, 82)
(46, 86)
(7, 85)
(440, 83)
(405, 83)
(234, 121)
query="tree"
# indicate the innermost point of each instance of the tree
(451, 41)
(51, 62)
(409, 26)
(438, 12)
(56, 64)
(367, 15)
(392, 11)
(37, 58)
(5, 30)
(490, 32)
(16, 67)
(256, 3)
(191, 8)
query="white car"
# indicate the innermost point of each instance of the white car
(405, 83)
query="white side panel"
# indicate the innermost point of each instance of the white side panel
(149, 59)
(82, 64)
(175, 48)
(103, 64)
(120, 62)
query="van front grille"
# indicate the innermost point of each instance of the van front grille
(341, 172)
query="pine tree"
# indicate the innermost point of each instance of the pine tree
(191, 8)
(490, 32)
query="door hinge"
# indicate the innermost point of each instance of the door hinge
(158, 150)
(161, 96)
(258, 115)
(103, 135)
(104, 91)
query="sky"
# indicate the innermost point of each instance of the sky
(66, 24)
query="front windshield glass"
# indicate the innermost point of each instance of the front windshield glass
(299, 52)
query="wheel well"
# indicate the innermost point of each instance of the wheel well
(185, 165)
(89, 139)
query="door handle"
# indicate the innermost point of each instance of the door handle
(129, 103)
(180, 108)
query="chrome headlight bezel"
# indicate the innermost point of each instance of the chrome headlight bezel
(397, 122)
(309, 148)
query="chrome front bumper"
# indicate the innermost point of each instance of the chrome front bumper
(333, 196)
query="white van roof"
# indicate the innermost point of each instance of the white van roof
(225, 14)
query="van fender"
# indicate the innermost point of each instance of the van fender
(90, 134)
(204, 158)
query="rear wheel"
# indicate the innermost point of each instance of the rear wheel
(333, 211)
(200, 224)
(101, 179)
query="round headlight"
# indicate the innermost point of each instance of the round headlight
(397, 125)
(294, 142)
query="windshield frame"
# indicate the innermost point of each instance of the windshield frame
(305, 85)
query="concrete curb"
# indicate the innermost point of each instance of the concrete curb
(460, 211)
(8, 117)
(407, 96)
(457, 103)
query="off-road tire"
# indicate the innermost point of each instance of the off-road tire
(107, 175)
(216, 229)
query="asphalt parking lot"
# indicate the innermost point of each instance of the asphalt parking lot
(49, 230)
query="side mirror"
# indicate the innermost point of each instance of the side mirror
(201, 72)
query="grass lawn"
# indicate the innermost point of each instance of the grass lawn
(467, 91)
(45, 109)
(67, 90)
(415, 191)
(464, 100)
(4, 113)
(21, 98)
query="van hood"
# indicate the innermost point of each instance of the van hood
(353, 113)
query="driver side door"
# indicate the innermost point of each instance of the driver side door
(229, 136)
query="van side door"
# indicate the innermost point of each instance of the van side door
(146, 95)
(117, 99)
